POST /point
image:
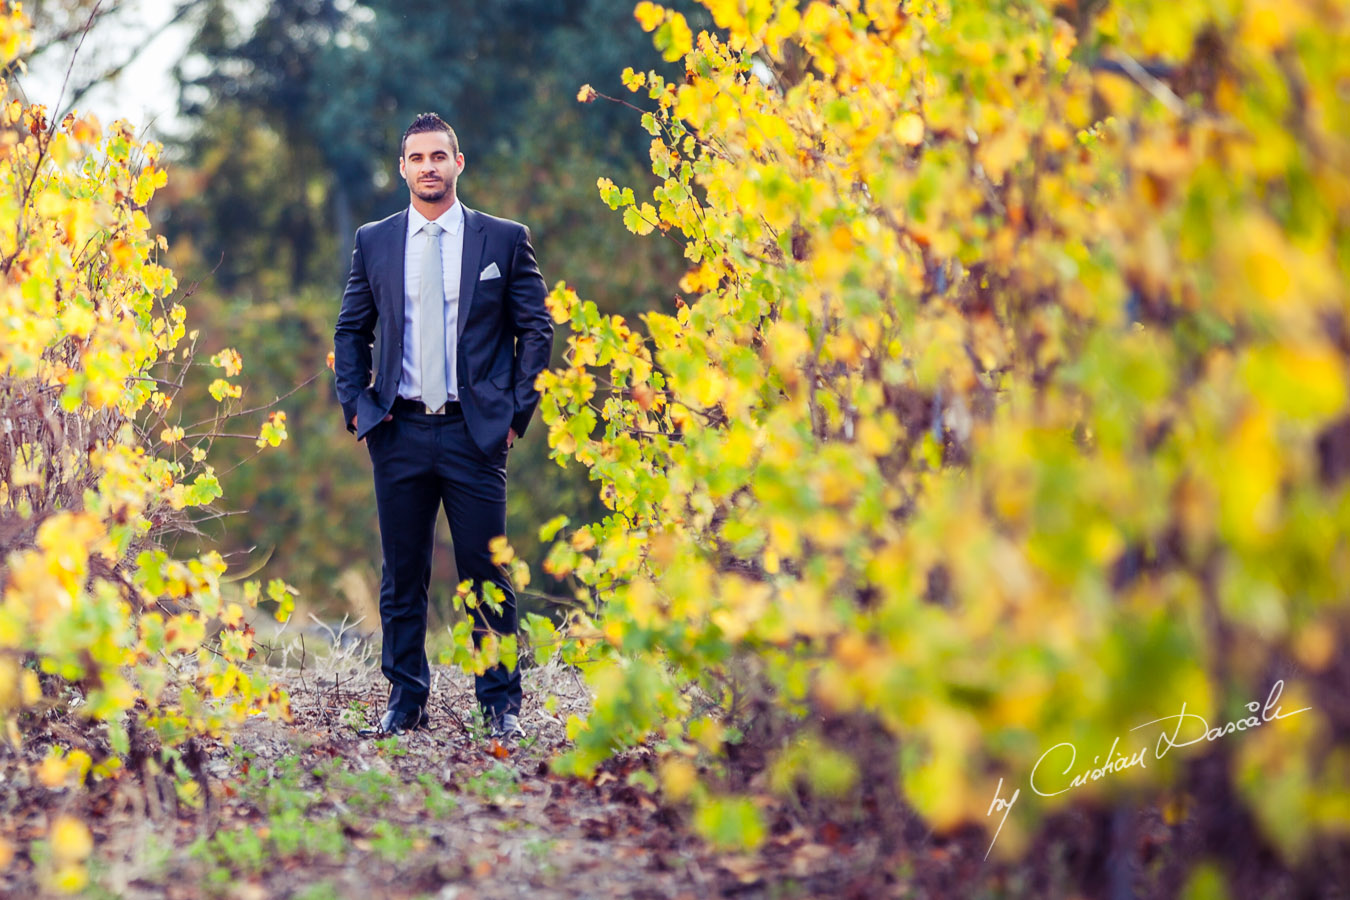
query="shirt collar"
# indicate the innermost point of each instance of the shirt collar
(451, 220)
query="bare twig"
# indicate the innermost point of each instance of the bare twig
(70, 67)
(1161, 92)
(245, 412)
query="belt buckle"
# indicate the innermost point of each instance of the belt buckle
(434, 412)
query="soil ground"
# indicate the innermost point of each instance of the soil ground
(311, 809)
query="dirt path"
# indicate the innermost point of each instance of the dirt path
(312, 810)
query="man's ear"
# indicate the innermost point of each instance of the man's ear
(402, 169)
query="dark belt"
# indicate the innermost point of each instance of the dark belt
(404, 406)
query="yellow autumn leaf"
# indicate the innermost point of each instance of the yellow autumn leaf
(52, 771)
(709, 386)
(649, 15)
(701, 278)
(787, 343)
(1305, 381)
(1118, 91)
(229, 360)
(874, 438)
(1265, 25)
(1315, 645)
(71, 878)
(681, 37)
(909, 129)
(677, 778)
(1252, 467)
(1065, 39)
(640, 220)
(70, 840)
(502, 552)
(1000, 153)
(634, 81)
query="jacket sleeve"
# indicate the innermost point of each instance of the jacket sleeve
(532, 326)
(354, 337)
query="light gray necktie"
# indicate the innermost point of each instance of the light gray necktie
(431, 321)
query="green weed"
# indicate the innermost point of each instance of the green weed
(323, 890)
(391, 842)
(439, 802)
(390, 745)
(494, 784)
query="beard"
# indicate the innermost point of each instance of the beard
(431, 192)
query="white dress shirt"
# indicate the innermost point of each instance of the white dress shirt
(452, 254)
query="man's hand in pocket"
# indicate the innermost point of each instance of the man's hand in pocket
(362, 439)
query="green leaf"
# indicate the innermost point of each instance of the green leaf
(730, 823)
(550, 529)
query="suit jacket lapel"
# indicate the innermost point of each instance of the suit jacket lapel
(468, 270)
(396, 246)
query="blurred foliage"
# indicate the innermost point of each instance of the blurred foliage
(98, 466)
(1012, 413)
(85, 45)
(294, 126)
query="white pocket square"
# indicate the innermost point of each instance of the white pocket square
(490, 272)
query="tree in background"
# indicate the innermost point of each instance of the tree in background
(1011, 416)
(88, 44)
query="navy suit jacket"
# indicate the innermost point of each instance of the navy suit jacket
(505, 331)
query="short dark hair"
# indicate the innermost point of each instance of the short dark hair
(428, 121)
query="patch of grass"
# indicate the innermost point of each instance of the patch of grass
(540, 851)
(390, 746)
(540, 848)
(328, 768)
(308, 810)
(241, 850)
(313, 837)
(219, 880)
(278, 788)
(323, 890)
(391, 842)
(494, 784)
(366, 792)
(439, 802)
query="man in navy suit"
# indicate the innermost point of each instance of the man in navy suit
(459, 304)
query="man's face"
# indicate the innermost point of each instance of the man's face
(430, 165)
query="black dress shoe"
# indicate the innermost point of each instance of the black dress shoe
(398, 721)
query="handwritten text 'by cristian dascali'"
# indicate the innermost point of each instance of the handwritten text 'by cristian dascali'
(1048, 776)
